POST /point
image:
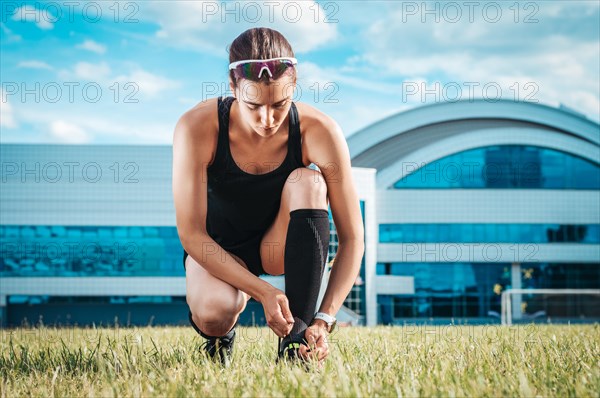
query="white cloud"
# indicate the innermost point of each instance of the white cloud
(120, 128)
(148, 84)
(326, 79)
(354, 102)
(357, 114)
(34, 64)
(188, 101)
(96, 72)
(145, 84)
(10, 36)
(210, 26)
(43, 19)
(66, 132)
(7, 116)
(559, 54)
(93, 46)
(80, 123)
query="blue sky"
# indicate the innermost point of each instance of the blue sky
(104, 72)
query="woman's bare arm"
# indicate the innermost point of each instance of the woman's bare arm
(193, 141)
(328, 150)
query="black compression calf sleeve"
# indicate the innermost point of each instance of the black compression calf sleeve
(306, 249)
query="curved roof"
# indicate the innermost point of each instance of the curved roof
(391, 137)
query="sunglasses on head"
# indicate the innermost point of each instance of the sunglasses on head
(254, 68)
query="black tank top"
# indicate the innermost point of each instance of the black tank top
(243, 205)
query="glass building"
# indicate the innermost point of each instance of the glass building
(88, 236)
(477, 197)
(460, 202)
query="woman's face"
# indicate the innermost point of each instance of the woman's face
(263, 107)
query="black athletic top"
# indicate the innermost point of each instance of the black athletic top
(243, 205)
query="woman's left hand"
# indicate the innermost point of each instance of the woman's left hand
(316, 336)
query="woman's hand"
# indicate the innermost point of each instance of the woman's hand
(316, 336)
(277, 311)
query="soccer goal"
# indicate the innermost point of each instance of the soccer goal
(509, 309)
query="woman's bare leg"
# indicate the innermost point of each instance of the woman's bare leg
(304, 189)
(215, 304)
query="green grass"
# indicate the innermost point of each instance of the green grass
(528, 360)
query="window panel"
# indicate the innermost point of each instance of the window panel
(506, 167)
(488, 233)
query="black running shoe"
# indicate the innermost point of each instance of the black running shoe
(221, 347)
(288, 350)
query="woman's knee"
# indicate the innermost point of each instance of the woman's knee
(307, 185)
(216, 316)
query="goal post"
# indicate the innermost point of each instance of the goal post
(506, 307)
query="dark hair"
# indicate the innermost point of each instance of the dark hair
(260, 43)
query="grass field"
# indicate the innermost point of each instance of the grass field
(525, 360)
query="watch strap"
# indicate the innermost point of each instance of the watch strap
(328, 319)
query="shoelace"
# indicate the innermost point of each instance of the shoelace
(290, 354)
(219, 346)
(283, 351)
(290, 350)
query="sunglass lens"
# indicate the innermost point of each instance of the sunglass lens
(252, 69)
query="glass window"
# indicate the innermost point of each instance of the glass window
(506, 166)
(356, 297)
(474, 290)
(492, 233)
(402, 269)
(451, 290)
(591, 233)
(91, 251)
(444, 233)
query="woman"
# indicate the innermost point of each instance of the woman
(247, 205)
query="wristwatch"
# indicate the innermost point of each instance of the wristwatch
(329, 320)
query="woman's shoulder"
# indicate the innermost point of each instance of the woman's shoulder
(201, 120)
(320, 134)
(202, 112)
(198, 128)
(314, 120)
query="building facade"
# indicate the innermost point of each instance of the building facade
(460, 201)
(475, 197)
(88, 236)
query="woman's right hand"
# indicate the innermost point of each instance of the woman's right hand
(277, 311)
